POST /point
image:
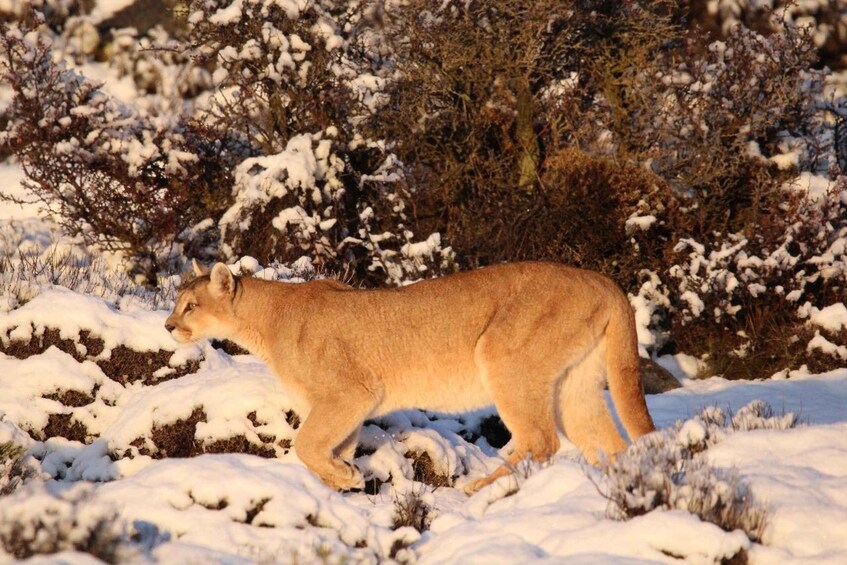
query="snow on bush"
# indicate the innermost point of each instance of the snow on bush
(756, 283)
(668, 470)
(294, 81)
(164, 74)
(809, 252)
(44, 519)
(16, 466)
(143, 174)
(827, 19)
(107, 171)
(301, 193)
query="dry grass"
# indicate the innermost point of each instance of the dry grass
(411, 510)
(424, 471)
(13, 471)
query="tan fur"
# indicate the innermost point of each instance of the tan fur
(535, 339)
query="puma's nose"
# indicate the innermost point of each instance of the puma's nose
(169, 327)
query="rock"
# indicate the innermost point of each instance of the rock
(655, 378)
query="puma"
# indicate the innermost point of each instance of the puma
(537, 340)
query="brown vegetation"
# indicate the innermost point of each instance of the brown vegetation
(123, 365)
(177, 439)
(424, 471)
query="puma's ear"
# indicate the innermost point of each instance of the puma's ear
(222, 281)
(199, 269)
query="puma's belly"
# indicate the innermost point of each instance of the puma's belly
(447, 389)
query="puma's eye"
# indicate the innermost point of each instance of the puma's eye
(190, 306)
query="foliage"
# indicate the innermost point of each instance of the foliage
(295, 81)
(666, 470)
(37, 521)
(14, 469)
(108, 172)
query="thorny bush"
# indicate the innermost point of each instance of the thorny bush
(107, 171)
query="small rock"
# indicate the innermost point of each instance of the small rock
(655, 378)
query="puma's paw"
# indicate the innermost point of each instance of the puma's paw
(477, 485)
(349, 478)
(474, 486)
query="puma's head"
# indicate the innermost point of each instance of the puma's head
(203, 309)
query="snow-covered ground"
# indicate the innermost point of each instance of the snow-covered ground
(123, 425)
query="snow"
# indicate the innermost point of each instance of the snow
(11, 179)
(545, 513)
(802, 475)
(71, 313)
(229, 15)
(815, 186)
(820, 343)
(226, 394)
(832, 318)
(108, 8)
(181, 497)
(642, 223)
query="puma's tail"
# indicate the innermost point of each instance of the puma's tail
(624, 373)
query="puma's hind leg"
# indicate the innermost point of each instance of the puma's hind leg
(526, 407)
(582, 409)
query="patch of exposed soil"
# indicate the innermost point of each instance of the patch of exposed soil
(63, 425)
(129, 366)
(124, 365)
(176, 439)
(73, 398)
(38, 344)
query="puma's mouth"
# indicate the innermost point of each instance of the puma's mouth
(183, 336)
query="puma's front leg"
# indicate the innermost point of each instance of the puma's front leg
(331, 423)
(347, 449)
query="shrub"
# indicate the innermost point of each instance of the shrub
(826, 17)
(154, 179)
(666, 470)
(14, 469)
(739, 295)
(613, 137)
(296, 82)
(413, 509)
(109, 173)
(161, 68)
(38, 521)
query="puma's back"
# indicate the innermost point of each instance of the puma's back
(535, 339)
